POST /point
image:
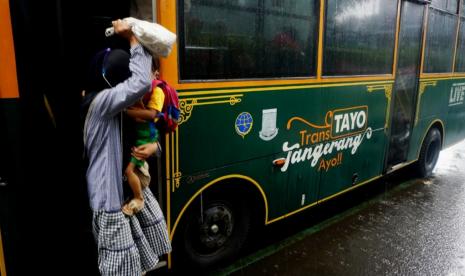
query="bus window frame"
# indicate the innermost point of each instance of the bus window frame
(313, 75)
(460, 17)
(442, 11)
(390, 76)
(171, 73)
(453, 73)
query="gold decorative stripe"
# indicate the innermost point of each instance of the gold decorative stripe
(422, 90)
(49, 110)
(168, 180)
(441, 78)
(322, 200)
(175, 156)
(423, 42)
(281, 88)
(388, 93)
(168, 190)
(172, 162)
(187, 105)
(2, 257)
(396, 43)
(289, 123)
(349, 189)
(456, 41)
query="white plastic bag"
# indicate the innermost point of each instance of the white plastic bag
(156, 38)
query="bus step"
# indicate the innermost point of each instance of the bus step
(396, 167)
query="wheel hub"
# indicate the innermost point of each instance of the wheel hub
(216, 226)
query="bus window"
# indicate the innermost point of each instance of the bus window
(359, 37)
(440, 42)
(447, 5)
(460, 59)
(240, 39)
(462, 8)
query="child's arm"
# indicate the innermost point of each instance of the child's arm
(142, 113)
(151, 110)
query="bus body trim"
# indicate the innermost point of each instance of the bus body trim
(171, 72)
(438, 77)
(396, 41)
(400, 166)
(2, 257)
(321, 27)
(8, 80)
(423, 41)
(278, 88)
(168, 192)
(362, 183)
(239, 83)
(323, 200)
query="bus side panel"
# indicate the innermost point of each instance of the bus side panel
(364, 159)
(303, 126)
(250, 174)
(214, 123)
(218, 134)
(336, 135)
(432, 107)
(455, 112)
(249, 127)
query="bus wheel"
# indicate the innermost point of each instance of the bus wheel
(216, 234)
(429, 153)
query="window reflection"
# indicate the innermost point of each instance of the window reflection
(360, 10)
(460, 59)
(440, 42)
(447, 5)
(359, 37)
(224, 39)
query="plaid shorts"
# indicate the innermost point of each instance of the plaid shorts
(148, 259)
(153, 225)
(117, 252)
(131, 245)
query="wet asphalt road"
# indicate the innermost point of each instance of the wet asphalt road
(398, 226)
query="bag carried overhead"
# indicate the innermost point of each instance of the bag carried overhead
(156, 38)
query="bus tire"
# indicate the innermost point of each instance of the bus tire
(429, 153)
(219, 236)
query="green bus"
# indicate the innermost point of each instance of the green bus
(285, 104)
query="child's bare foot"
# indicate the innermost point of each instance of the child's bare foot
(133, 206)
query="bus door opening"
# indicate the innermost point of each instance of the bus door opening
(406, 83)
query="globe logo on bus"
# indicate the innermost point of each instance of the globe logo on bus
(244, 123)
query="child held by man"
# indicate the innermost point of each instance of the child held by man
(145, 113)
